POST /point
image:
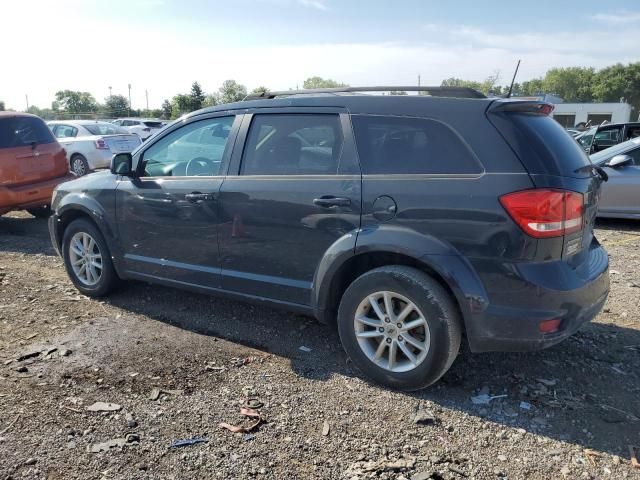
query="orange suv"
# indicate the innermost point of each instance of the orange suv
(32, 163)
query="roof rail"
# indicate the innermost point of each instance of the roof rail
(455, 92)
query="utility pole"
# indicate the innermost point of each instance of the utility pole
(418, 79)
(146, 94)
(110, 93)
(129, 100)
(26, 97)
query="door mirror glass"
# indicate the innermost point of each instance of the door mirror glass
(121, 164)
(619, 161)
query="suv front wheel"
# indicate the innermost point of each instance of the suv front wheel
(399, 326)
(87, 259)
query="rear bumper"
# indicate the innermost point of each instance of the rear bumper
(30, 195)
(522, 296)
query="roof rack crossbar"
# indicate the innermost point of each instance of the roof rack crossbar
(459, 92)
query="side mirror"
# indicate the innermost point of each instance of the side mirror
(619, 161)
(121, 164)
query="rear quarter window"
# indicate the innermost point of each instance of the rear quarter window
(408, 145)
(543, 146)
(23, 131)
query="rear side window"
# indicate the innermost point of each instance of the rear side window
(105, 129)
(293, 144)
(23, 131)
(405, 145)
(544, 147)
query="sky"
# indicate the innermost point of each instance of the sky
(162, 46)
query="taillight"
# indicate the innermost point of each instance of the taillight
(544, 213)
(101, 144)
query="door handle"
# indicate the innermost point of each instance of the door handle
(197, 197)
(329, 201)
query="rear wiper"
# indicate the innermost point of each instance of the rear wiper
(595, 170)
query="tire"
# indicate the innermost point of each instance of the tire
(40, 212)
(436, 315)
(107, 278)
(79, 165)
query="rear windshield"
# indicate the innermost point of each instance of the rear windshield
(104, 128)
(153, 124)
(543, 146)
(23, 131)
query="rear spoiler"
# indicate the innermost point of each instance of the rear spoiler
(520, 106)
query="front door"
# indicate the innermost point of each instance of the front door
(620, 192)
(295, 194)
(168, 216)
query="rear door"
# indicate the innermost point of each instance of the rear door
(293, 192)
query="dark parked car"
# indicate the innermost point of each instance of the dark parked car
(602, 137)
(408, 220)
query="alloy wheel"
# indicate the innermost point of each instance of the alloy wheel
(392, 331)
(85, 258)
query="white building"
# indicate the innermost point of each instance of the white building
(571, 114)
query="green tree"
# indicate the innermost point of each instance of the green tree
(2, 107)
(611, 84)
(76, 102)
(573, 84)
(231, 91)
(166, 109)
(259, 90)
(44, 113)
(486, 86)
(180, 104)
(197, 96)
(398, 92)
(116, 106)
(210, 100)
(319, 82)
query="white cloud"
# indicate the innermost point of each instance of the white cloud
(317, 4)
(617, 18)
(39, 64)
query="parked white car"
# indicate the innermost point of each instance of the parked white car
(143, 127)
(90, 144)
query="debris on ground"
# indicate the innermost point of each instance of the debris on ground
(423, 416)
(325, 428)
(247, 412)
(633, 453)
(156, 392)
(6, 429)
(131, 439)
(104, 407)
(485, 399)
(304, 349)
(188, 442)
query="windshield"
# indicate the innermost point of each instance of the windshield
(619, 149)
(585, 138)
(103, 128)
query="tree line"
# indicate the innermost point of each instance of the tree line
(614, 83)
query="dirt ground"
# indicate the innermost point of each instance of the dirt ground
(568, 412)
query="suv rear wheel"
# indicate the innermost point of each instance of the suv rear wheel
(399, 326)
(87, 259)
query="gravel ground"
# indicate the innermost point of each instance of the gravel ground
(177, 364)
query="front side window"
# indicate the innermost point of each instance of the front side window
(193, 150)
(404, 145)
(293, 144)
(22, 131)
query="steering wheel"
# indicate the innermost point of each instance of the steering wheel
(201, 166)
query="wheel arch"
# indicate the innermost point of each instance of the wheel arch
(446, 266)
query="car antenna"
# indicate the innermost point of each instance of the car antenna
(513, 80)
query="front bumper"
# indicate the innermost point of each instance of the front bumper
(534, 293)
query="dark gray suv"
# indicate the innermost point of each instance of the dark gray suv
(408, 220)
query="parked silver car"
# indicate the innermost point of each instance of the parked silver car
(90, 144)
(621, 194)
(143, 127)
